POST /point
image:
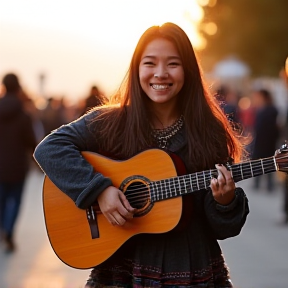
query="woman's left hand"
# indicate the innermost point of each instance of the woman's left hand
(223, 187)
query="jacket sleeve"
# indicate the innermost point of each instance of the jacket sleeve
(59, 156)
(227, 221)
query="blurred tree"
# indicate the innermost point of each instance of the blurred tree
(255, 31)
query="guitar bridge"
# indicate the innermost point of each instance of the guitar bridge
(92, 221)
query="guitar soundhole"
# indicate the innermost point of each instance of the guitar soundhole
(137, 193)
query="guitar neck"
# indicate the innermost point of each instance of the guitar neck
(185, 184)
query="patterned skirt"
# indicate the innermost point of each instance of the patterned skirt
(154, 263)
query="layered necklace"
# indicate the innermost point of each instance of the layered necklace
(162, 136)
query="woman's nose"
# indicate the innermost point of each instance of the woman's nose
(161, 75)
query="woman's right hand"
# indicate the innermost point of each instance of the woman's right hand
(115, 206)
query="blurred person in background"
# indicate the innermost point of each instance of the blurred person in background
(53, 115)
(265, 131)
(228, 99)
(94, 99)
(16, 146)
(229, 102)
(30, 107)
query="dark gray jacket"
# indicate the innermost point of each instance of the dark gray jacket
(17, 139)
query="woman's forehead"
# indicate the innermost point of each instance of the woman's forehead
(160, 46)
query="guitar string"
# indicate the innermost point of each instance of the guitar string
(138, 195)
(270, 168)
(139, 192)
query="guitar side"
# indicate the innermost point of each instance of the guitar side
(68, 228)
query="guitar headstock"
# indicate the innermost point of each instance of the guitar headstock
(281, 157)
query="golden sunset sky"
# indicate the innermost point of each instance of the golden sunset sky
(76, 44)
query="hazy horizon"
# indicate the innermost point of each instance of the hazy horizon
(76, 45)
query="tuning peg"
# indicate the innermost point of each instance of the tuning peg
(284, 146)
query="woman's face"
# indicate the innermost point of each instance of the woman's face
(161, 72)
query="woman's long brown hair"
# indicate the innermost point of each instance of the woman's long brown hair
(126, 128)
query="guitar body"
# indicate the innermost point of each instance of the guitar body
(68, 228)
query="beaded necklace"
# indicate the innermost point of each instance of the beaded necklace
(162, 136)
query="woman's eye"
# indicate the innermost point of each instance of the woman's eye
(174, 64)
(148, 63)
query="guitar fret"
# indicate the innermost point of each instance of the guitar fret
(156, 192)
(251, 169)
(159, 191)
(184, 183)
(270, 165)
(165, 193)
(188, 187)
(262, 166)
(174, 185)
(165, 190)
(241, 171)
(177, 192)
(153, 191)
(171, 190)
(257, 169)
(197, 182)
(179, 183)
(246, 170)
(204, 180)
(209, 177)
(191, 181)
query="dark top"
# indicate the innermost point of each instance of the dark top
(17, 139)
(187, 255)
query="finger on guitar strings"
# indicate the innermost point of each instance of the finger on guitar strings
(224, 175)
(119, 218)
(214, 184)
(126, 205)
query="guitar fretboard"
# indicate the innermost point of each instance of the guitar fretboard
(185, 184)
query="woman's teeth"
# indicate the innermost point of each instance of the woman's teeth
(160, 86)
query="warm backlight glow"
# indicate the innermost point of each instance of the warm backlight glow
(75, 43)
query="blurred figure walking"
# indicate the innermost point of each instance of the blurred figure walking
(94, 99)
(54, 115)
(265, 131)
(17, 143)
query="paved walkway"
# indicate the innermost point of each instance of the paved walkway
(258, 257)
(34, 264)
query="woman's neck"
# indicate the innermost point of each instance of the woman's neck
(164, 115)
(165, 119)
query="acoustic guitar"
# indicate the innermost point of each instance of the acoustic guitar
(83, 238)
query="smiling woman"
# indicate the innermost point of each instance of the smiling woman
(76, 45)
(164, 108)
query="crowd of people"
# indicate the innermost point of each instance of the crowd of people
(166, 104)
